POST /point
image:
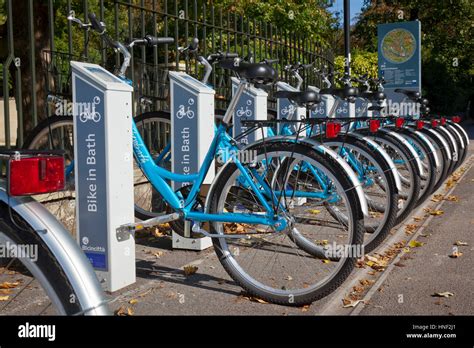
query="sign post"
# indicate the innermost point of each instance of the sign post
(192, 131)
(252, 105)
(104, 171)
(399, 60)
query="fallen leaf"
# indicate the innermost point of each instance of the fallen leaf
(158, 254)
(9, 285)
(452, 198)
(133, 301)
(352, 304)
(124, 311)
(461, 243)
(289, 278)
(436, 212)
(409, 229)
(415, 244)
(314, 211)
(4, 298)
(322, 242)
(371, 272)
(252, 298)
(190, 270)
(366, 282)
(358, 289)
(371, 258)
(455, 254)
(157, 233)
(326, 261)
(305, 308)
(443, 294)
(5, 291)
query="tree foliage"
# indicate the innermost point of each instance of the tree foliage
(310, 18)
(447, 45)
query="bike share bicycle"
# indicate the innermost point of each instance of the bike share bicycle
(263, 257)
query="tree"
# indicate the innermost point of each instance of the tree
(447, 46)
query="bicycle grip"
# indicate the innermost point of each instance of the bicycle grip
(154, 41)
(95, 23)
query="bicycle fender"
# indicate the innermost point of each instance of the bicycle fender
(430, 145)
(380, 149)
(463, 145)
(460, 129)
(410, 147)
(443, 141)
(65, 250)
(452, 140)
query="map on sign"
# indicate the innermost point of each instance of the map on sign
(398, 46)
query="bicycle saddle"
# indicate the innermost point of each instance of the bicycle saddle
(257, 73)
(303, 98)
(376, 108)
(374, 96)
(345, 92)
(408, 93)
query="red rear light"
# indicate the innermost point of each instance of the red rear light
(456, 119)
(443, 121)
(332, 129)
(434, 123)
(35, 175)
(420, 124)
(374, 125)
(399, 122)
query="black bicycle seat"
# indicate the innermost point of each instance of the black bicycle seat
(345, 92)
(303, 98)
(257, 73)
(374, 96)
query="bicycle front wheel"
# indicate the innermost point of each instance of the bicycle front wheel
(267, 263)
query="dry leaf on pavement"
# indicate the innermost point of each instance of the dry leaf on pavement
(190, 270)
(461, 243)
(352, 304)
(443, 294)
(455, 254)
(415, 244)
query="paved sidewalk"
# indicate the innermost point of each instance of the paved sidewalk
(163, 289)
(432, 268)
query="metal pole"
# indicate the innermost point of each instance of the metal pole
(347, 41)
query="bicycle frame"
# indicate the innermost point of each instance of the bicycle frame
(158, 175)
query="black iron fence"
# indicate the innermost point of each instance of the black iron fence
(40, 45)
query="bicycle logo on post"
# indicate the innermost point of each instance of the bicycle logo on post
(247, 112)
(89, 113)
(288, 110)
(185, 111)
